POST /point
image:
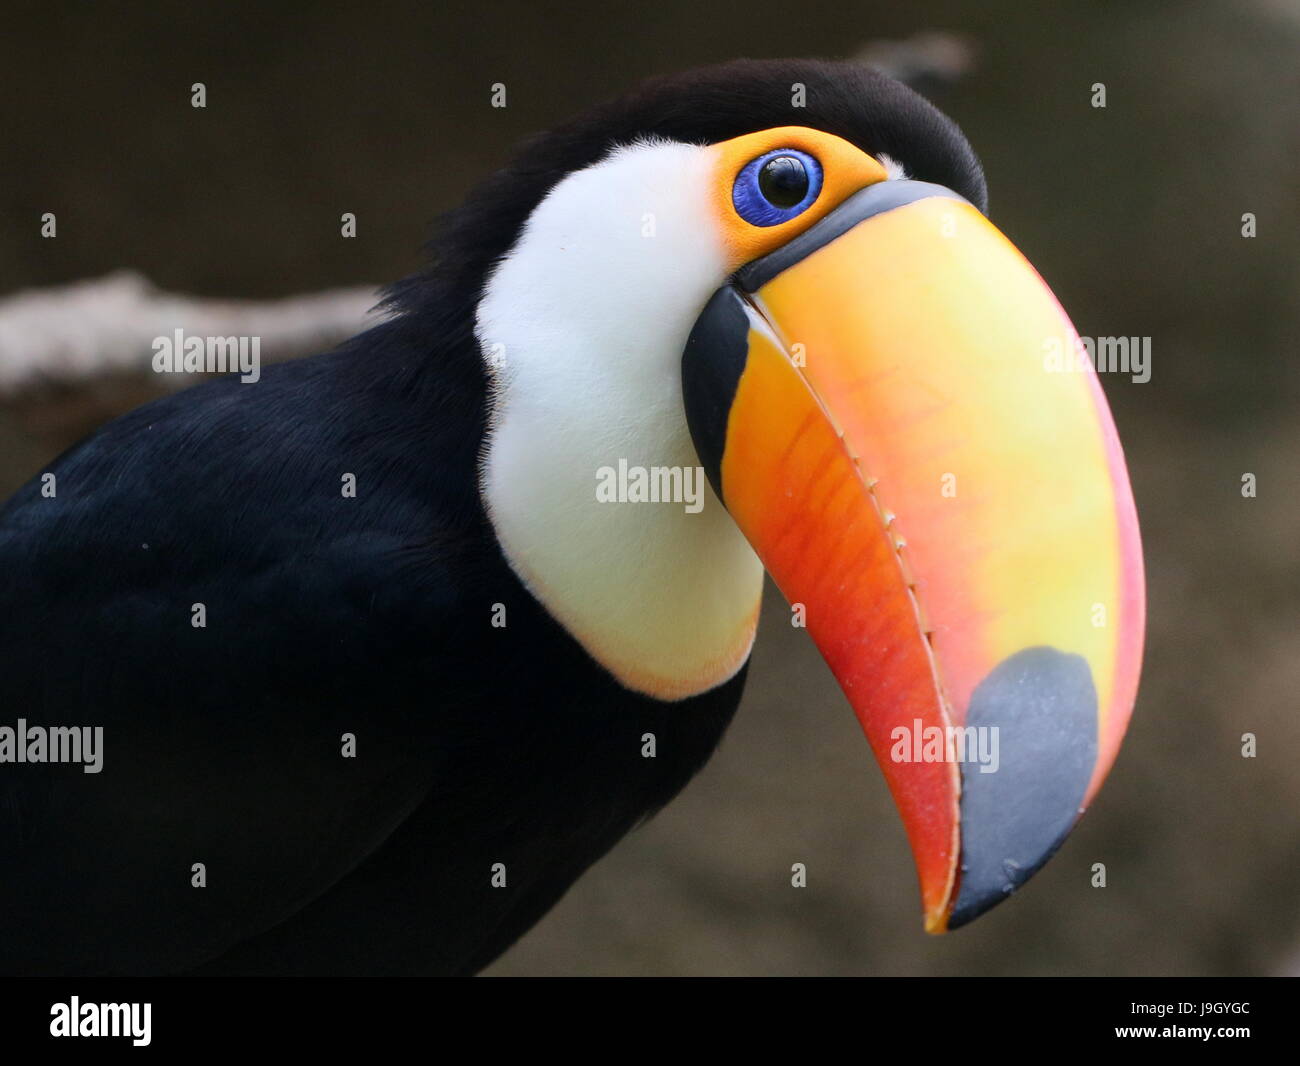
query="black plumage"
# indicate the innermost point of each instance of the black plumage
(329, 615)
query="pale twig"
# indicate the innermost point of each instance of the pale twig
(107, 325)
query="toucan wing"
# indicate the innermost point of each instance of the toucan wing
(258, 647)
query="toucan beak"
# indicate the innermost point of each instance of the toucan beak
(882, 407)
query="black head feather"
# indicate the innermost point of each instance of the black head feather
(704, 106)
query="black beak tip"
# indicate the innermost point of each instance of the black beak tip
(1043, 705)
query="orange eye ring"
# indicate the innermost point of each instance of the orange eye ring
(844, 169)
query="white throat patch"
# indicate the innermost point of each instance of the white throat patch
(583, 325)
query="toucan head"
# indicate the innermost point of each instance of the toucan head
(754, 318)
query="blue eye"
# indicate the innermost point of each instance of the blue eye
(776, 187)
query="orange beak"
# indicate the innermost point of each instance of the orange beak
(949, 511)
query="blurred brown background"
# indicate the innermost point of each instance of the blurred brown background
(1132, 213)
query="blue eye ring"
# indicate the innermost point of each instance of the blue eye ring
(752, 203)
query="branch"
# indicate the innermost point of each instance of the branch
(107, 325)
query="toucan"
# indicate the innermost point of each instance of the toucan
(382, 659)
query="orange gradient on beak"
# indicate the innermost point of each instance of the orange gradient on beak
(917, 459)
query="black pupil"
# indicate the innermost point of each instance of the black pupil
(783, 181)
